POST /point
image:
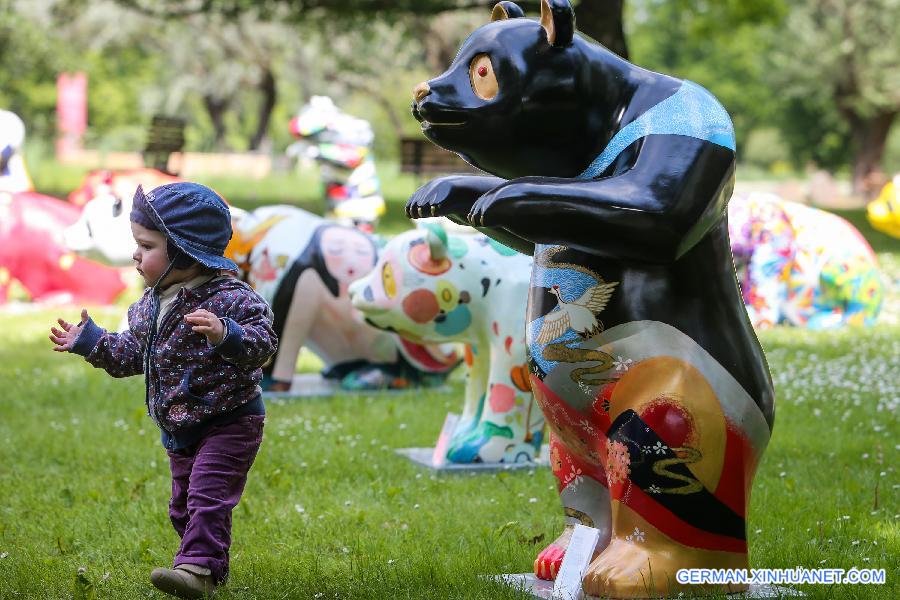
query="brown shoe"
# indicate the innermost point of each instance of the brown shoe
(184, 581)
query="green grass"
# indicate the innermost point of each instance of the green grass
(331, 512)
(330, 509)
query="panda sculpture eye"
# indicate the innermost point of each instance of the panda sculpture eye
(387, 280)
(484, 81)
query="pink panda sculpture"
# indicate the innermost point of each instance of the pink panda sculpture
(33, 252)
(435, 288)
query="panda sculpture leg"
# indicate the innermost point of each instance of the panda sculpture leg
(501, 425)
(301, 316)
(673, 463)
(585, 499)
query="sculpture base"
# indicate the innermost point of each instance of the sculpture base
(424, 457)
(313, 385)
(539, 588)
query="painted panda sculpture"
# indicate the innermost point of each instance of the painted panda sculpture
(642, 358)
(435, 288)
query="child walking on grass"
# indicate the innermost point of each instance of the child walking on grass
(199, 336)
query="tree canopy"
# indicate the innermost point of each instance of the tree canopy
(805, 81)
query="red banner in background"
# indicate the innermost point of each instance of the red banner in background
(71, 112)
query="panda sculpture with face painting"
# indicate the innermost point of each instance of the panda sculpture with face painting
(642, 357)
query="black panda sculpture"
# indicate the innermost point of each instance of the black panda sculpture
(643, 359)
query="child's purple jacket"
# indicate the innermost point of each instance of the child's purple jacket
(190, 382)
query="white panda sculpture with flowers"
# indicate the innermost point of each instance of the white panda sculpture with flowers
(431, 287)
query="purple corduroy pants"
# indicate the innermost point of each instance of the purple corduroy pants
(207, 482)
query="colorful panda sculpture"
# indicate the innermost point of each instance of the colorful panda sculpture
(436, 288)
(303, 266)
(13, 173)
(801, 266)
(884, 211)
(650, 376)
(342, 145)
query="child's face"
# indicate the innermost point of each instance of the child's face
(150, 255)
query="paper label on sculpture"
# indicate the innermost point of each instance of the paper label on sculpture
(440, 449)
(575, 562)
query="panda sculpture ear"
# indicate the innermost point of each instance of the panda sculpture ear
(506, 10)
(558, 20)
(436, 238)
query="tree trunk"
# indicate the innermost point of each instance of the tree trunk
(269, 92)
(602, 20)
(216, 108)
(869, 139)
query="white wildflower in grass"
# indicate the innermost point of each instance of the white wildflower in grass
(391, 561)
(402, 426)
(532, 500)
(4, 554)
(416, 506)
(299, 509)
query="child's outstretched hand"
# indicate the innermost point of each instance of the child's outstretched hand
(208, 324)
(65, 338)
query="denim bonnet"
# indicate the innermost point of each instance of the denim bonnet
(193, 218)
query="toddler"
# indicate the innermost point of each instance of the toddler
(199, 336)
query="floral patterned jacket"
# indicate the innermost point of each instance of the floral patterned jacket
(189, 381)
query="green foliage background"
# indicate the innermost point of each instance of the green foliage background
(746, 52)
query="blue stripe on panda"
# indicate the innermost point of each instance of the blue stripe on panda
(691, 111)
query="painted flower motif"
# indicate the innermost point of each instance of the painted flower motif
(618, 465)
(573, 477)
(588, 428)
(658, 448)
(585, 388)
(555, 460)
(654, 489)
(636, 536)
(622, 364)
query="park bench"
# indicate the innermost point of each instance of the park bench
(426, 159)
(165, 136)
